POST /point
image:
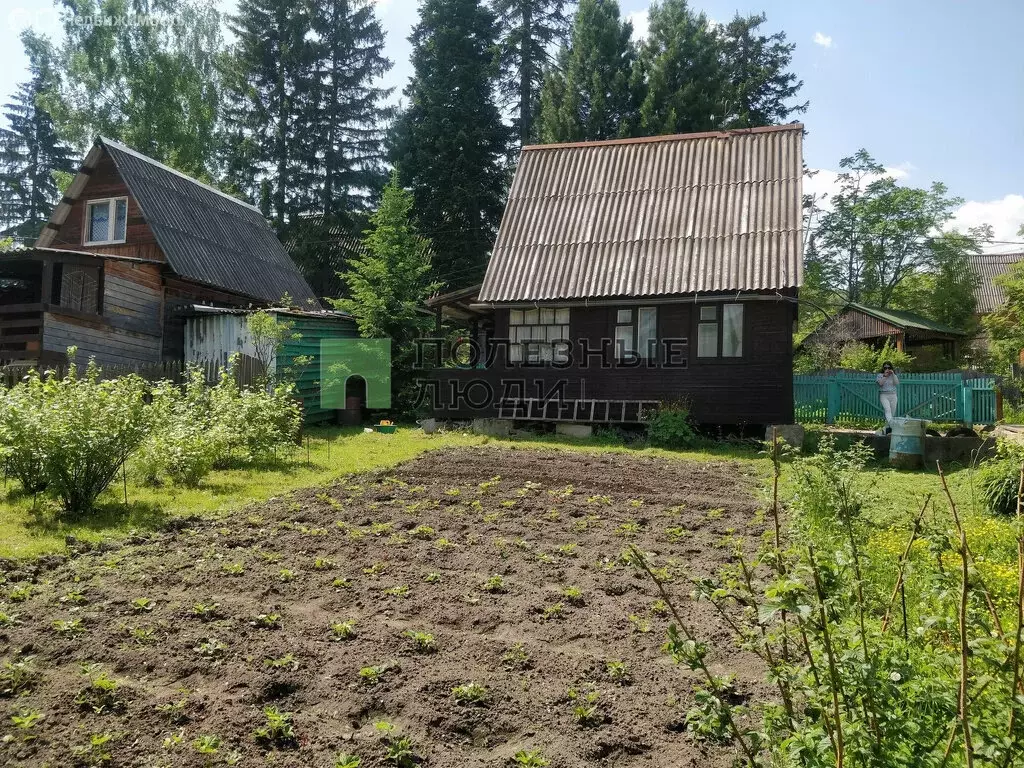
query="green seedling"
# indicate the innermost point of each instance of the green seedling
(18, 676)
(432, 578)
(617, 671)
(142, 635)
(322, 564)
(470, 693)
(452, 492)
(379, 529)
(288, 661)
(372, 675)
(206, 611)
(640, 625)
(573, 595)
(346, 760)
(555, 611)
(74, 598)
(142, 605)
(25, 721)
(635, 502)
(278, 730)
(444, 544)
(9, 619)
(376, 569)
(530, 759)
(606, 500)
(20, 593)
(100, 695)
(174, 741)
(516, 657)
(487, 485)
(568, 550)
(585, 707)
(174, 711)
(211, 648)
(401, 752)
(494, 584)
(286, 575)
(676, 533)
(270, 557)
(422, 532)
(96, 752)
(715, 514)
(69, 627)
(267, 621)
(659, 608)
(341, 583)
(628, 529)
(233, 569)
(423, 642)
(207, 745)
(401, 590)
(343, 630)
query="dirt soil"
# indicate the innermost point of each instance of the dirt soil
(173, 619)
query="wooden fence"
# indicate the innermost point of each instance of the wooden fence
(849, 396)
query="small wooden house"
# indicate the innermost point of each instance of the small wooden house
(906, 331)
(635, 272)
(127, 253)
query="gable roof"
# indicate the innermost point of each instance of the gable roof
(206, 235)
(905, 320)
(988, 296)
(652, 217)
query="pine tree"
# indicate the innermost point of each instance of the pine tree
(761, 88)
(389, 282)
(31, 153)
(529, 29)
(682, 64)
(450, 140)
(348, 111)
(267, 88)
(589, 96)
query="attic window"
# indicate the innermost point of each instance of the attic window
(106, 221)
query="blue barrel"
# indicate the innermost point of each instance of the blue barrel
(906, 445)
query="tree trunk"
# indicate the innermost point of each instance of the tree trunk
(525, 82)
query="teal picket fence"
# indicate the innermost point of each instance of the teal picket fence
(853, 397)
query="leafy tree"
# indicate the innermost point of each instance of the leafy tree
(390, 283)
(450, 140)
(31, 153)
(529, 29)
(589, 96)
(879, 234)
(152, 86)
(687, 81)
(346, 111)
(761, 88)
(267, 88)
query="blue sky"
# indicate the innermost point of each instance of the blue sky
(934, 89)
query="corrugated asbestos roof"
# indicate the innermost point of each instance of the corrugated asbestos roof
(987, 295)
(206, 235)
(651, 217)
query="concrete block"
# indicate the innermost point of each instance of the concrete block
(492, 427)
(791, 433)
(574, 430)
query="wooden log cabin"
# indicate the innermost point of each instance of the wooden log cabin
(632, 273)
(127, 253)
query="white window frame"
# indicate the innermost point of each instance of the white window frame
(542, 325)
(111, 220)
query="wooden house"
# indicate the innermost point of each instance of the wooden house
(127, 253)
(637, 272)
(906, 331)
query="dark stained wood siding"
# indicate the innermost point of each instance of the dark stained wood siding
(97, 338)
(756, 388)
(105, 182)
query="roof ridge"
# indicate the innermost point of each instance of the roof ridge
(722, 134)
(135, 153)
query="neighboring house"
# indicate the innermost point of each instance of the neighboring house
(635, 272)
(127, 253)
(907, 331)
(213, 335)
(988, 296)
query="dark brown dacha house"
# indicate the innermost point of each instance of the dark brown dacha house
(637, 272)
(128, 252)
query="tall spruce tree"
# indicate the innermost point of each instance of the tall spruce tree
(529, 30)
(761, 88)
(31, 153)
(589, 95)
(267, 80)
(151, 85)
(348, 112)
(450, 140)
(681, 61)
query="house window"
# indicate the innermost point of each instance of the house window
(720, 331)
(636, 333)
(79, 288)
(538, 335)
(106, 221)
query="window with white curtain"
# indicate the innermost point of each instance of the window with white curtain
(106, 221)
(720, 331)
(539, 335)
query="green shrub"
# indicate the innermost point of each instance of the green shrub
(72, 434)
(671, 427)
(999, 479)
(251, 425)
(857, 356)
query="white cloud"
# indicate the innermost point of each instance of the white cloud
(1005, 215)
(825, 41)
(641, 22)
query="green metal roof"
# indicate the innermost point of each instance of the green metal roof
(903, 319)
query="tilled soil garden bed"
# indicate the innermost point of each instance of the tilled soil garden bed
(350, 613)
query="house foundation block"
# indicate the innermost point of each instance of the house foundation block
(791, 433)
(574, 430)
(492, 427)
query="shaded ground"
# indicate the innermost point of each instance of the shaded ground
(412, 548)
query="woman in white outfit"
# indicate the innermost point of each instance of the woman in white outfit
(887, 383)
